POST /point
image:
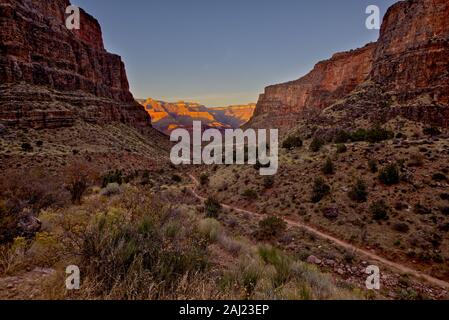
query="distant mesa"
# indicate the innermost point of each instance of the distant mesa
(168, 116)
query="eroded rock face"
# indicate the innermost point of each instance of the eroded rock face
(283, 104)
(412, 54)
(69, 73)
(408, 66)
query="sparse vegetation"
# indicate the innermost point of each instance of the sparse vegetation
(389, 175)
(204, 179)
(292, 142)
(316, 144)
(372, 165)
(328, 167)
(271, 227)
(359, 192)
(341, 148)
(250, 194)
(320, 190)
(379, 210)
(212, 207)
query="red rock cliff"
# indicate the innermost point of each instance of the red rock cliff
(412, 54)
(52, 63)
(327, 82)
(410, 62)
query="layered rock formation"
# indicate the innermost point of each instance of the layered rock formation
(408, 68)
(168, 116)
(51, 76)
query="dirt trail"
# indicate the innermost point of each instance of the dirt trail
(396, 266)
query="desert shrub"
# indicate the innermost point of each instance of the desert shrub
(439, 177)
(249, 194)
(271, 227)
(389, 175)
(204, 179)
(111, 189)
(26, 147)
(358, 192)
(372, 165)
(268, 182)
(432, 131)
(79, 175)
(320, 190)
(292, 142)
(112, 177)
(342, 136)
(341, 148)
(141, 262)
(379, 210)
(39, 144)
(212, 207)
(316, 144)
(378, 134)
(328, 167)
(22, 195)
(210, 229)
(176, 178)
(401, 227)
(281, 263)
(359, 135)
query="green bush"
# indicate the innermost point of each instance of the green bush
(271, 227)
(378, 134)
(341, 148)
(26, 147)
(112, 177)
(320, 190)
(379, 210)
(342, 136)
(212, 207)
(389, 175)
(250, 194)
(316, 144)
(292, 142)
(358, 192)
(204, 179)
(372, 165)
(328, 167)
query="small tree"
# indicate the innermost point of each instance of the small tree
(316, 144)
(204, 179)
(320, 190)
(212, 207)
(328, 167)
(358, 192)
(389, 175)
(78, 176)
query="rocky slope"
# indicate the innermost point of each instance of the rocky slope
(64, 75)
(62, 94)
(404, 73)
(168, 116)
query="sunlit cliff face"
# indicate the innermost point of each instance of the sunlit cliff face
(166, 116)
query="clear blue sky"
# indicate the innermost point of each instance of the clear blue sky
(221, 52)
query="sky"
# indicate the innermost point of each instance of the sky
(225, 52)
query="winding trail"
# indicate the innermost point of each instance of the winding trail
(372, 256)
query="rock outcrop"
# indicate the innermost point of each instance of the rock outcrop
(168, 116)
(406, 72)
(51, 76)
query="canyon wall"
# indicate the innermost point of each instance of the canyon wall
(410, 62)
(50, 76)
